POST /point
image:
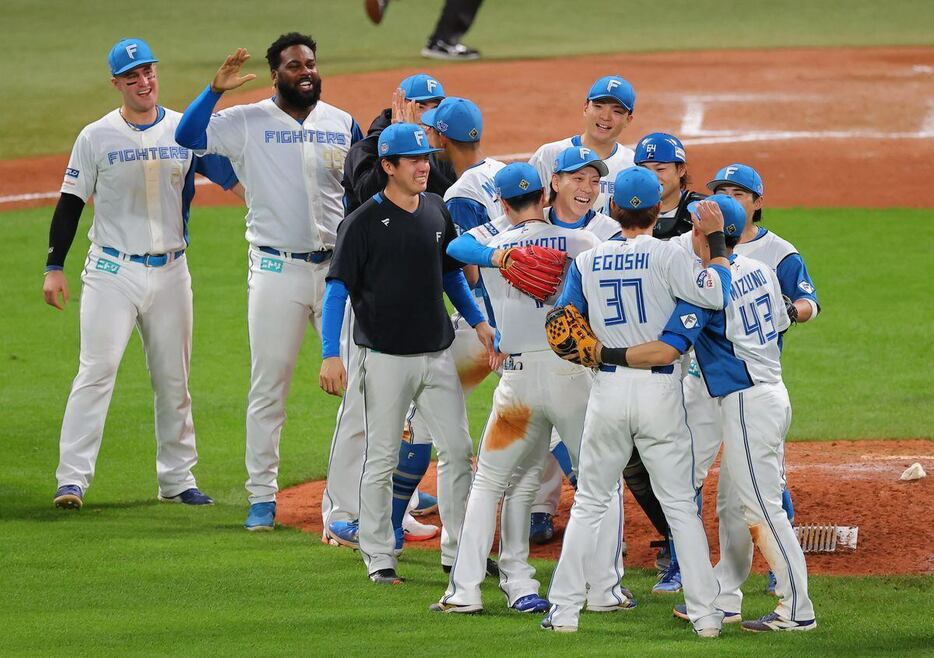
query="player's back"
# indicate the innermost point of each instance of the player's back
(739, 346)
(476, 185)
(519, 318)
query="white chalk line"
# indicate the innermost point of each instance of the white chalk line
(910, 458)
(705, 138)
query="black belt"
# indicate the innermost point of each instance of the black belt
(658, 370)
(307, 256)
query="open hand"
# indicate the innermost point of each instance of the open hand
(228, 75)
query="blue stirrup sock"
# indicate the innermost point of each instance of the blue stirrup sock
(787, 505)
(413, 463)
(563, 457)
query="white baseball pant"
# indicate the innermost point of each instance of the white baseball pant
(117, 295)
(390, 383)
(635, 407)
(284, 296)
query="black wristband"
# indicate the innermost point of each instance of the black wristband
(614, 355)
(717, 243)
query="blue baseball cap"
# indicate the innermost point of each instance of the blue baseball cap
(575, 158)
(404, 139)
(456, 118)
(636, 188)
(614, 88)
(128, 54)
(422, 87)
(734, 216)
(659, 147)
(739, 175)
(517, 179)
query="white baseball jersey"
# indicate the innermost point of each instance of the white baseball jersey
(520, 319)
(475, 185)
(291, 171)
(628, 288)
(602, 226)
(138, 180)
(544, 162)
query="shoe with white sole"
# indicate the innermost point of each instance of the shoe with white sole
(426, 504)
(68, 497)
(343, 533)
(531, 603)
(261, 517)
(191, 496)
(546, 625)
(774, 622)
(467, 609)
(681, 612)
(415, 531)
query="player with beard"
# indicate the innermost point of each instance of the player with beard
(289, 153)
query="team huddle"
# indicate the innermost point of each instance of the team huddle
(635, 328)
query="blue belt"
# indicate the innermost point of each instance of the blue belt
(658, 370)
(308, 256)
(149, 260)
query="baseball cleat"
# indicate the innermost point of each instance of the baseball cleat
(707, 632)
(466, 609)
(774, 622)
(400, 541)
(426, 504)
(628, 603)
(681, 612)
(344, 533)
(68, 497)
(455, 52)
(531, 603)
(546, 625)
(386, 577)
(261, 517)
(670, 580)
(771, 583)
(415, 531)
(191, 496)
(542, 529)
(375, 9)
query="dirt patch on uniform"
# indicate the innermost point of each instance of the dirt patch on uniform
(851, 483)
(509, 426)
(841, 127)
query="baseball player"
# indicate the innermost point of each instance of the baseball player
(744, 184)
(738, 354)
(607, 112)
(364, 177)
(445, 42)
(289, 151)
(136, 273)
(538, 392)
(628, 287)
(404, 331)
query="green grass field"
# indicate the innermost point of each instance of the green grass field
(128, 575)
(54, 77)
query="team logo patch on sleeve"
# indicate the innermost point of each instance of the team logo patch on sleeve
(806, 287)
(704, 280)
(73, 173)
(689, 321)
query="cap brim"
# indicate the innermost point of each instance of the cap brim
(133, 65)
(423, 99)
(610, 97)
(424, 151)
(714, 184)
(428, 117)
(599, 165)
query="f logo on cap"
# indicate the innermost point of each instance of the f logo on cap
(611, 85)
(730, 171)
(431, 84)
(131, 50)
(584, 152)
(418, 136)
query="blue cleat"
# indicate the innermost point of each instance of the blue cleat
(681, 612)
(670, 580)
(191, 496)
(68, 496)
(542, 529)
(531, 603)
(426, 504)
(400, 541)
(774, 622)
(344, 533)
(770, 585)
(262, 517)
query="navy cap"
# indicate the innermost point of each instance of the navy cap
(739, 175)
(575, 158)
(636, 188)
(404, 139)
(128, 54)
(659, 147)
(734, 216)
(456, 118)
(517, 179)
(614, 88)
(422, 87)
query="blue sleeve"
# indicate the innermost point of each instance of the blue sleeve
(726, 280)
(332, 318)
(217, 169)
(467, 250)
(573, 292)
(467, 213)
(685, 325)
(794, 279)
(355, 133)
(192, 129)
(457, 290)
